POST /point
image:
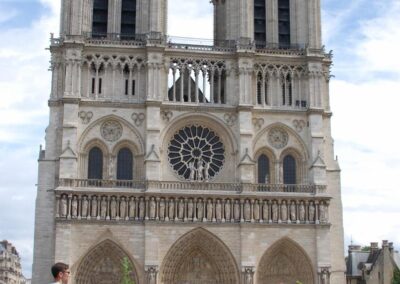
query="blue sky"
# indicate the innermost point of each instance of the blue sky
(365, 99)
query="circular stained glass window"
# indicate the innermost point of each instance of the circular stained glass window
(196, 153)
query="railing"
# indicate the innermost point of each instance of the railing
(185, 43)
(192, 186)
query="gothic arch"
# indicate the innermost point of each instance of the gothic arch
(199, 255)
(103, 265)
(126, 125)
(285, 262)
(300, 144)
(272, 160)
(137, 157)
(84, 156)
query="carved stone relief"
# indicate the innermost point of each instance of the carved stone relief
(230, 118)
(258, 123)
(138, 118)
(111, 130)
(299, 125)
(166, 115)
(86, 117)
(278, 137)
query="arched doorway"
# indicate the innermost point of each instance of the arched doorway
(103, 265)
(285, 263)
(199, 257)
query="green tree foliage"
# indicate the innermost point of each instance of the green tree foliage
(298, 282)
(366, 249)
(127, 272)
(396, 276)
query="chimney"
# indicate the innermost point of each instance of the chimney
(374, 246)
(385, 243)
(391, 248)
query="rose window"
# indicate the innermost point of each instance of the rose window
(196, 153)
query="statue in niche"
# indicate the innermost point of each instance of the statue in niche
(266, 179)
(249, 276)
(274, 211)
(111, 167)
(227, 210)
(63, 206)
(236, 210)
(218, 211)
(142, 208)
(311, 212)
(293, 211)
(324, 275)
(122, 208)
(192, 170)
(265, 210)
(113, 207)
(207, 171)
(103, 207)
(200, 209)
(85, 206)
(200, 169)
(152, 275)
(162, 209)
(74, 207)
(190, 209)
(323, 213)
(256, 210)
(284, 211)
(210, 208)
(171, 209)
(181, 209)
(302, 212)
(94, 206)
(132, 208)
(152, 208)
(247, 213)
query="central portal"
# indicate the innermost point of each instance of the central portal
(197, 269)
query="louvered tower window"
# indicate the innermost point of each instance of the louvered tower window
(260, 29)
(95, 164)
(289, 170)
(125, 164)
(284, 23)
(128, 19)
(263, 169)
(100, 18)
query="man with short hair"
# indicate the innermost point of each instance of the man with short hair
(60, 273)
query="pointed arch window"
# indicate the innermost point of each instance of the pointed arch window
(263, 169)
(289, 170)
(125, 164)
(284, 23)
(100, 18)
(128, 19)
(95, 164)
(260, 28)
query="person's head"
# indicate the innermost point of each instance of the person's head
(60, 272)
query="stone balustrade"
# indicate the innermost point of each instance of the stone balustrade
(140, 207)
(192, 186)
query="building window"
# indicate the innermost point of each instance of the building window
(263, 169)
(287, 90)
(125, 165)
(128, 19)
(284, 23)
(289, 170)
(95, 164)
(100, 18)
(260, 29)
(262, 89)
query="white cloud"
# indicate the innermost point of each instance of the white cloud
(24, 90)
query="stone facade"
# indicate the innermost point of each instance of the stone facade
(197, 163)
(10, 265)
(372, 265)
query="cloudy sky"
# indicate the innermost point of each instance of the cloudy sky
(365, 96)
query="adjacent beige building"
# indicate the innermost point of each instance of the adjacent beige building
(10, 265)
(197, 162)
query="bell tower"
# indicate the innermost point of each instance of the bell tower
(185, 160)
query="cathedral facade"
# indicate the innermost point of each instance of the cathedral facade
(194, 163)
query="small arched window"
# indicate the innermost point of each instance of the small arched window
(289, 170)
(95, 164)
(125, 164)
(263, 169)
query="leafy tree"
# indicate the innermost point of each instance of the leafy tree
(396, 276)
(127, 271)
(366, 249)
(298, 282)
